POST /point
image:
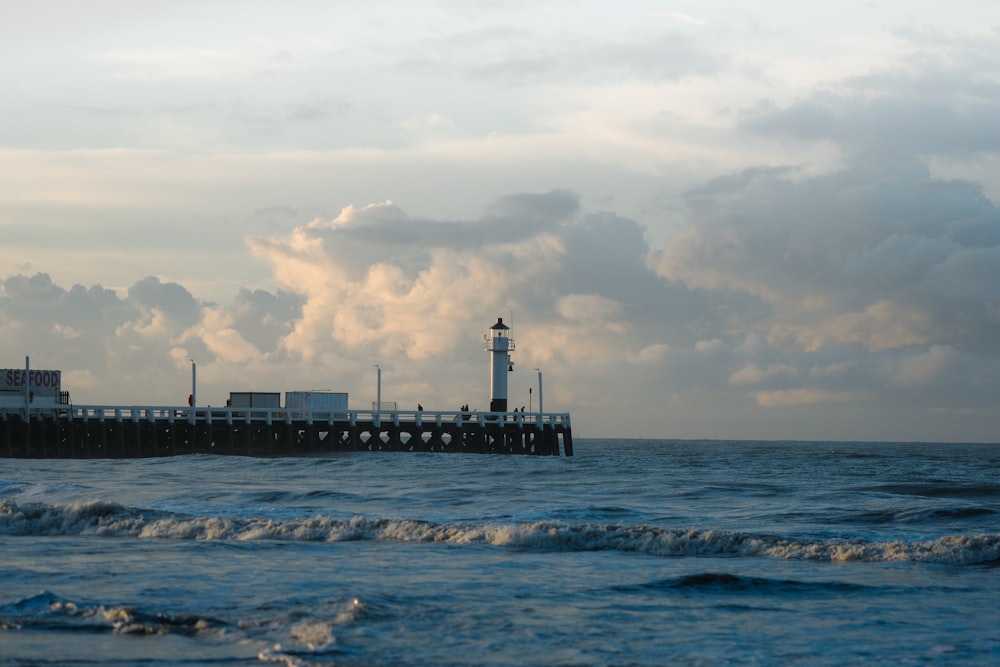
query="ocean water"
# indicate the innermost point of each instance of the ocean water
(633, 552)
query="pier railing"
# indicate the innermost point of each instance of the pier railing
(237, 415)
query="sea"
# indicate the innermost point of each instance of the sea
(631, 552)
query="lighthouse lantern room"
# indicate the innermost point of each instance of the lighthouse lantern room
(500, 344)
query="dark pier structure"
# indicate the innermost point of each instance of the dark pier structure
(132, 432)
(38, 421)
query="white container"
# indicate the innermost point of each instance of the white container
(322, 404)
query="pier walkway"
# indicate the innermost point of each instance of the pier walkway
(93, 431)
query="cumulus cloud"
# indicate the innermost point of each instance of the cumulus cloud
(375, 281)
(263, 318)
(881, 258)
(846, 292)
(130, 348)
(876, 281)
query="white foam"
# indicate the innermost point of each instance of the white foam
(111, 519)
(314, 635)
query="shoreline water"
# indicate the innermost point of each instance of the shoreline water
(637, 552)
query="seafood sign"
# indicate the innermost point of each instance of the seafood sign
(42, 384)
(13, 378)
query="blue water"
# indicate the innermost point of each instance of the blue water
(630, 553)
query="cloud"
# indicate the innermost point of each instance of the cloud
(883, 325)
(180, 305)
(263, 318)
(754, 374)
(318, 110)
(510, 219)
(590, 308)
(211, 60)
(374, 280)
(853, 295)
(681, 17)
(926, 367)
(878, 258)
(518, 57)
(130, 347)
(783, 398)
(940, 99)
(972, 273)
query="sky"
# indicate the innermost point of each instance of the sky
(716, 220)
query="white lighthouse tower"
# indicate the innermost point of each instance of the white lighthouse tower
(499, 342)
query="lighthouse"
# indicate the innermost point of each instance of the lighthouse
(500, 344)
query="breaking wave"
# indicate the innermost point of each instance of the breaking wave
(47, 610)
(308, 637)
(113, 520)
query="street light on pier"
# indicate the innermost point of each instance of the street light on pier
(378, 396)
(540, 409)
(193, 400)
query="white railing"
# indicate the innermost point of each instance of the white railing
(237, 415)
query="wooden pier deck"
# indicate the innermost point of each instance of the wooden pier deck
(78, 432)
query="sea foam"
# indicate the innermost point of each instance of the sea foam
(113, 520)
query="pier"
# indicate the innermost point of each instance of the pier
(81, 432)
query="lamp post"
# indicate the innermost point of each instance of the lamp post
(540, 408)
(27, 385)
(378, 396)
(194, 383)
